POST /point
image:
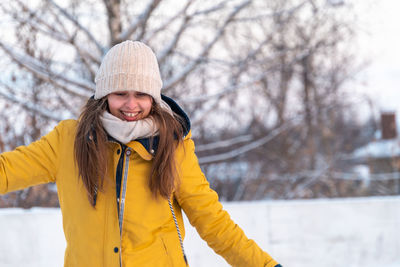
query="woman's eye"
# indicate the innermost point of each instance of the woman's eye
(119, 94)
(141, 94)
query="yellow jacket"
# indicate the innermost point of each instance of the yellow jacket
(149, 236)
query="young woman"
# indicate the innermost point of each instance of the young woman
(125, 170)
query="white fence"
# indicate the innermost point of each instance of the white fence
(308, 233)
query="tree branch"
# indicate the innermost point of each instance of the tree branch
(139, 21)
(167, 23)
(57, 35)
(233, 86)
(49, 76)
(79, 26)
(210, 10)
(35, 21)
(28, 105)
(224, 143)
(170, 48)
(179, 77)
(246, 148)
(228, 89)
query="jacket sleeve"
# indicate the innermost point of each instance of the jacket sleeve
(30, 165)
(214, 225)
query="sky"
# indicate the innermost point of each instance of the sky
(379, 41)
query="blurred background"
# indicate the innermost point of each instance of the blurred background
(288, 99)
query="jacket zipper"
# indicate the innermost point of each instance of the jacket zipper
(128, 152)
(122, 200)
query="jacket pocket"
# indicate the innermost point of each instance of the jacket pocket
(166, 252)
(154, 255)
(173, 249)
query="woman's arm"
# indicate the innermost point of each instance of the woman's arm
(30, 165)
(214, 225)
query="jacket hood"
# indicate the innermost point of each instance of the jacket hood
(178, 110)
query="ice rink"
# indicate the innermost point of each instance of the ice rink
(362, 232)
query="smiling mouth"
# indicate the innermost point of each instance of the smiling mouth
(130, 114)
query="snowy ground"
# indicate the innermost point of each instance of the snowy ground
(329, 233)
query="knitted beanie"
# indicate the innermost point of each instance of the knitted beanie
(129, 66)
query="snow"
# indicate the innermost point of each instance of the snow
(300, 233)
(31, 237)
(379, 149)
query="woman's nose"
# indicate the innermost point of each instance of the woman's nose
(131, 102)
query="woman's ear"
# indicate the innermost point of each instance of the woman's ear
(153, 106)
(106, 102)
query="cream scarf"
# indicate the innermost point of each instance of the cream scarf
(126, 131)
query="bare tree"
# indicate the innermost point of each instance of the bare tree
(78, 34)
(303, 119)
(64, 43)
(272, 73)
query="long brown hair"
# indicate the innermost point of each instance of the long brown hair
(163, 170)
(91, 149)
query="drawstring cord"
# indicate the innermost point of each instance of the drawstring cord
(177, 229)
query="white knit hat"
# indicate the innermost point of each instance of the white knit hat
(129, 66)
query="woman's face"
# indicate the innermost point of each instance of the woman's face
(129, 105)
